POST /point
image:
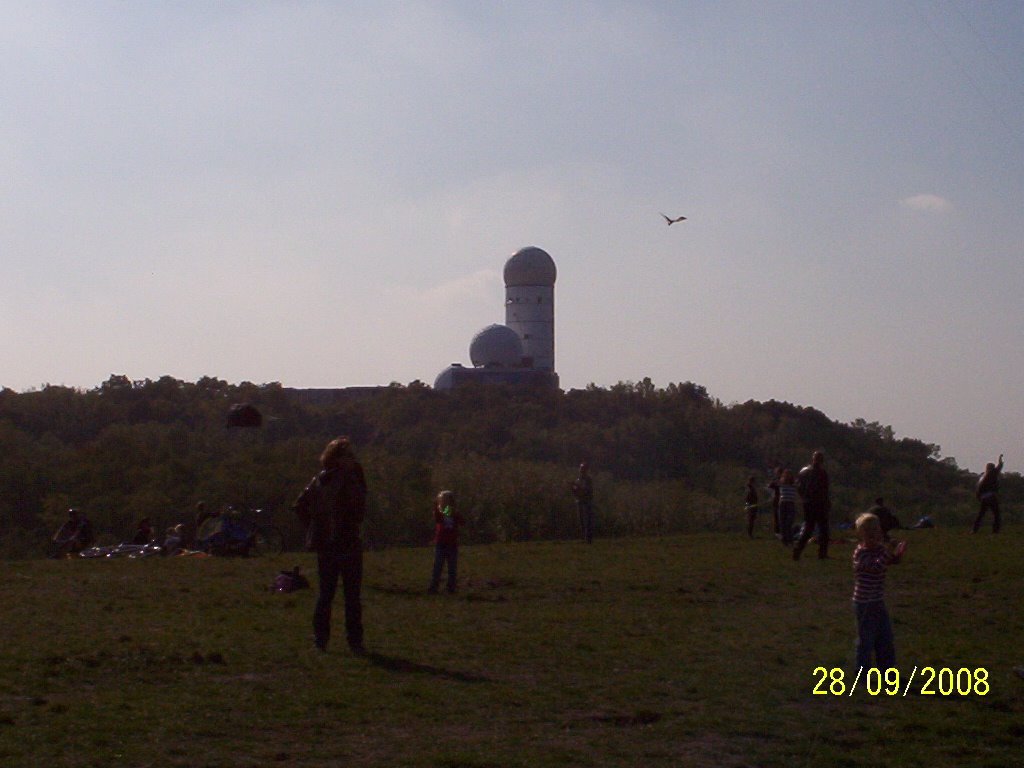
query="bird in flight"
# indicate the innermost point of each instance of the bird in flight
(672, 221)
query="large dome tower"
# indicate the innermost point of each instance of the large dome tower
(530, 305)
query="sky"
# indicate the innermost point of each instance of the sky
(324, 194)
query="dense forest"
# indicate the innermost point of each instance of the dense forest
(664, 459)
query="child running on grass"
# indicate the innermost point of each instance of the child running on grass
(870, 560)
(446, 540)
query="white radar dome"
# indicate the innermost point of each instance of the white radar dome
(496, 345)
(530, 266)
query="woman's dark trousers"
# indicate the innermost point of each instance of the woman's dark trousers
(348, 566)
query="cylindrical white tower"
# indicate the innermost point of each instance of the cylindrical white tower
(530, 305)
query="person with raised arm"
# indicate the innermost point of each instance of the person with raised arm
(987, 492)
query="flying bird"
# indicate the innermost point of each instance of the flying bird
(673, 221)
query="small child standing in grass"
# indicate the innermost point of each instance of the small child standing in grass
(446, 540)
(750, 505)
(787, 506)
(870, 560)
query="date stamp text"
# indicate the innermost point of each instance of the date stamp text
(922, 681)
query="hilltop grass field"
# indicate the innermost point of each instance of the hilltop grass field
(690, 650)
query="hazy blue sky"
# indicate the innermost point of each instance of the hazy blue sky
(324, 194)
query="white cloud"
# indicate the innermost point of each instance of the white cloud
(480, 287)
(927, 202)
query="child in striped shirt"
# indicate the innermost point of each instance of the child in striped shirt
(870, 560)
(787, 506)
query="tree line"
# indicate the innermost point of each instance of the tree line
(669, 459)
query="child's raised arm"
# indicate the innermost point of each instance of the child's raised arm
(897, 552)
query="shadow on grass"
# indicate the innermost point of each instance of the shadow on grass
(399, 591)
(395, 664)
(471, 597)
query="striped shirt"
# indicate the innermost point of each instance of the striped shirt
(787, 493)
(869, 564)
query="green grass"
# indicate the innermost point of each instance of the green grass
(690, 650)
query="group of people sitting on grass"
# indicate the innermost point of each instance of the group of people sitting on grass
(218, 533)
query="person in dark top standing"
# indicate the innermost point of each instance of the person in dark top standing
(750, 505)
(886, 519)
(812, 484)
(773, 486)
(988, 495)
(583, 490)
(332, 508)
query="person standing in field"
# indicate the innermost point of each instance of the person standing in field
(812, 484)
(773, 486)
(750, 505)
(332, 508)
(787, 506)
(870, 560)
(447, 521)
(886, 518)
(988, 495)
(583, 490)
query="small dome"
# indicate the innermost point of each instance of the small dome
(496, 345)
(446, 378)
(530, 266)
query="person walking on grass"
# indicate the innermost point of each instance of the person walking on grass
(750, 505)
(447, 521)
(812, 484)
(871, 558)
(583, 490)
(988, 495)
(332, 508)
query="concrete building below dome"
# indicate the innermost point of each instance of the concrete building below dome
(457, 375)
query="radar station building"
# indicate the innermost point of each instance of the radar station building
(522, 351)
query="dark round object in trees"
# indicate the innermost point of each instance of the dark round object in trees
(244, 415)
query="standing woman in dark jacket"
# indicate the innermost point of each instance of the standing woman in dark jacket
(332, 508)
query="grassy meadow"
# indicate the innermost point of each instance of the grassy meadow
(690, 650)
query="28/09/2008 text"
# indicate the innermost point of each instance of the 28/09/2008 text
(931, 681)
